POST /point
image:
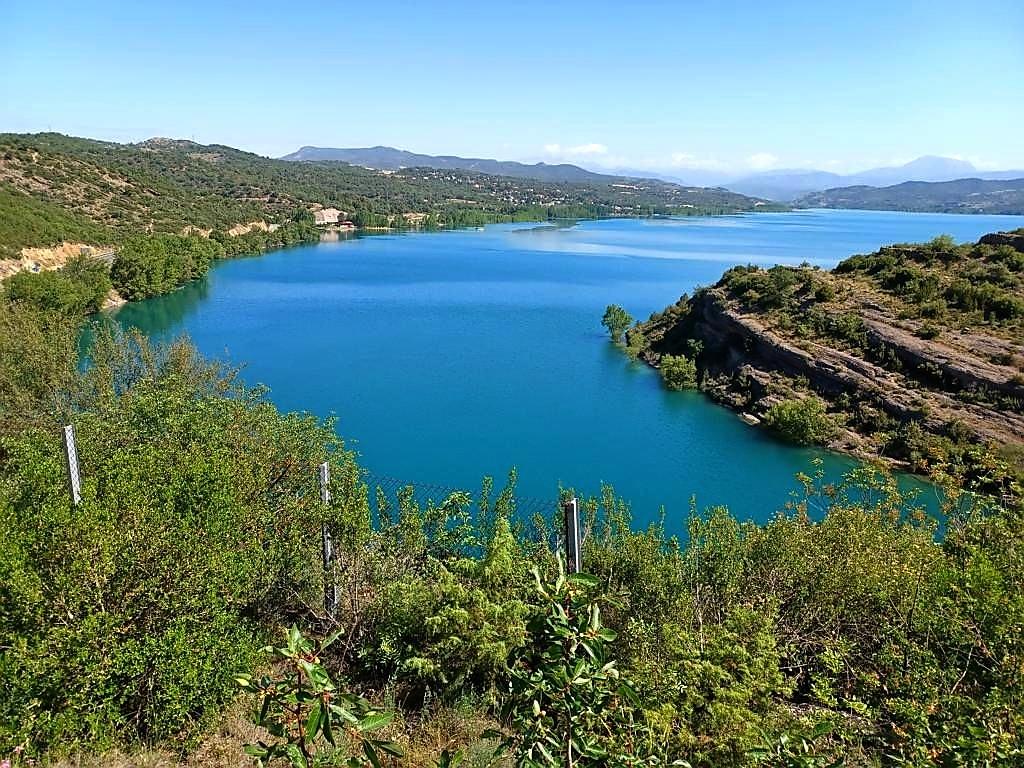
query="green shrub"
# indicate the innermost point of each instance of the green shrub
(127, 614)
(38, 356)
(802, 421)
(824, 292)
(635, 342)
(448, 625)
(309, 720)
(27, 221)
(568, 702)
(678, 372)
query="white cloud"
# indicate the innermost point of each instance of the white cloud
(687, 160)
(589, 149)
(579, 150)
(762, 161)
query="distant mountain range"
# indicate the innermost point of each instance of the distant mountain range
(1005, 196)
(781, 185)
(789, 185)
(391, 159)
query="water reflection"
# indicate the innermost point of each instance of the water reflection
(159, 314)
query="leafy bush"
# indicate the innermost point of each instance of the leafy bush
(38, 356)
(569, 704)
(448, 625)
(197, 528)
(841, 626)
(635, 342)
(802, 421)
(678, 372)
(309, 718)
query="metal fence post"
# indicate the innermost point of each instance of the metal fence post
(572, 535)
(71, 461)
(330, 584)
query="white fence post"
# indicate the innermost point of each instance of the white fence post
(330, 584)
(572, 536)
(71, 459)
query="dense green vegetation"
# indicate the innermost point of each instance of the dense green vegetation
(145, 265)
(151, 265)
(77, 289)
(847, 633)
(55, 187)
(30, 221)
(678, 372)
(970, 284)
(804, 422)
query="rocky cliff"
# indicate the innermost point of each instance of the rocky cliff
(887, 361)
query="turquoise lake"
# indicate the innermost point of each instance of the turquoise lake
(452, 355)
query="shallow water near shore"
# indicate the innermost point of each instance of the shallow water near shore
(450, 355)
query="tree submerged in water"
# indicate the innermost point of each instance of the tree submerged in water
(616, 320)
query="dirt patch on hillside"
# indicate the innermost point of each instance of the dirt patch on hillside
(42, 259)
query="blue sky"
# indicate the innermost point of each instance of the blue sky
(733, 86)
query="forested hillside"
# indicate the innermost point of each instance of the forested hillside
(55, 187)
(1004, 196)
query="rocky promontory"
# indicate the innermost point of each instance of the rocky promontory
(916, 352)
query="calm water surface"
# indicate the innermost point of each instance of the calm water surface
(448, 356)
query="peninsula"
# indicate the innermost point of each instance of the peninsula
(913, 354)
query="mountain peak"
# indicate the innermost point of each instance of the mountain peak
(939, 163)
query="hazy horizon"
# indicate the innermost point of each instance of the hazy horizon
(669, 88)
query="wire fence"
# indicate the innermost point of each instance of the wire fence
(426, 494)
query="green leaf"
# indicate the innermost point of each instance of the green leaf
(544, 751)
(256, 750)
(375, 721)
(328, 727)
(264, 710)
(314, 720)
(294, 639)
(371, 754)
(393, 749)
(344, 714)
(331, 638)
(584, 579)
(245, 682)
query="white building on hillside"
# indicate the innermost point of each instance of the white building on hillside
(327, 216)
